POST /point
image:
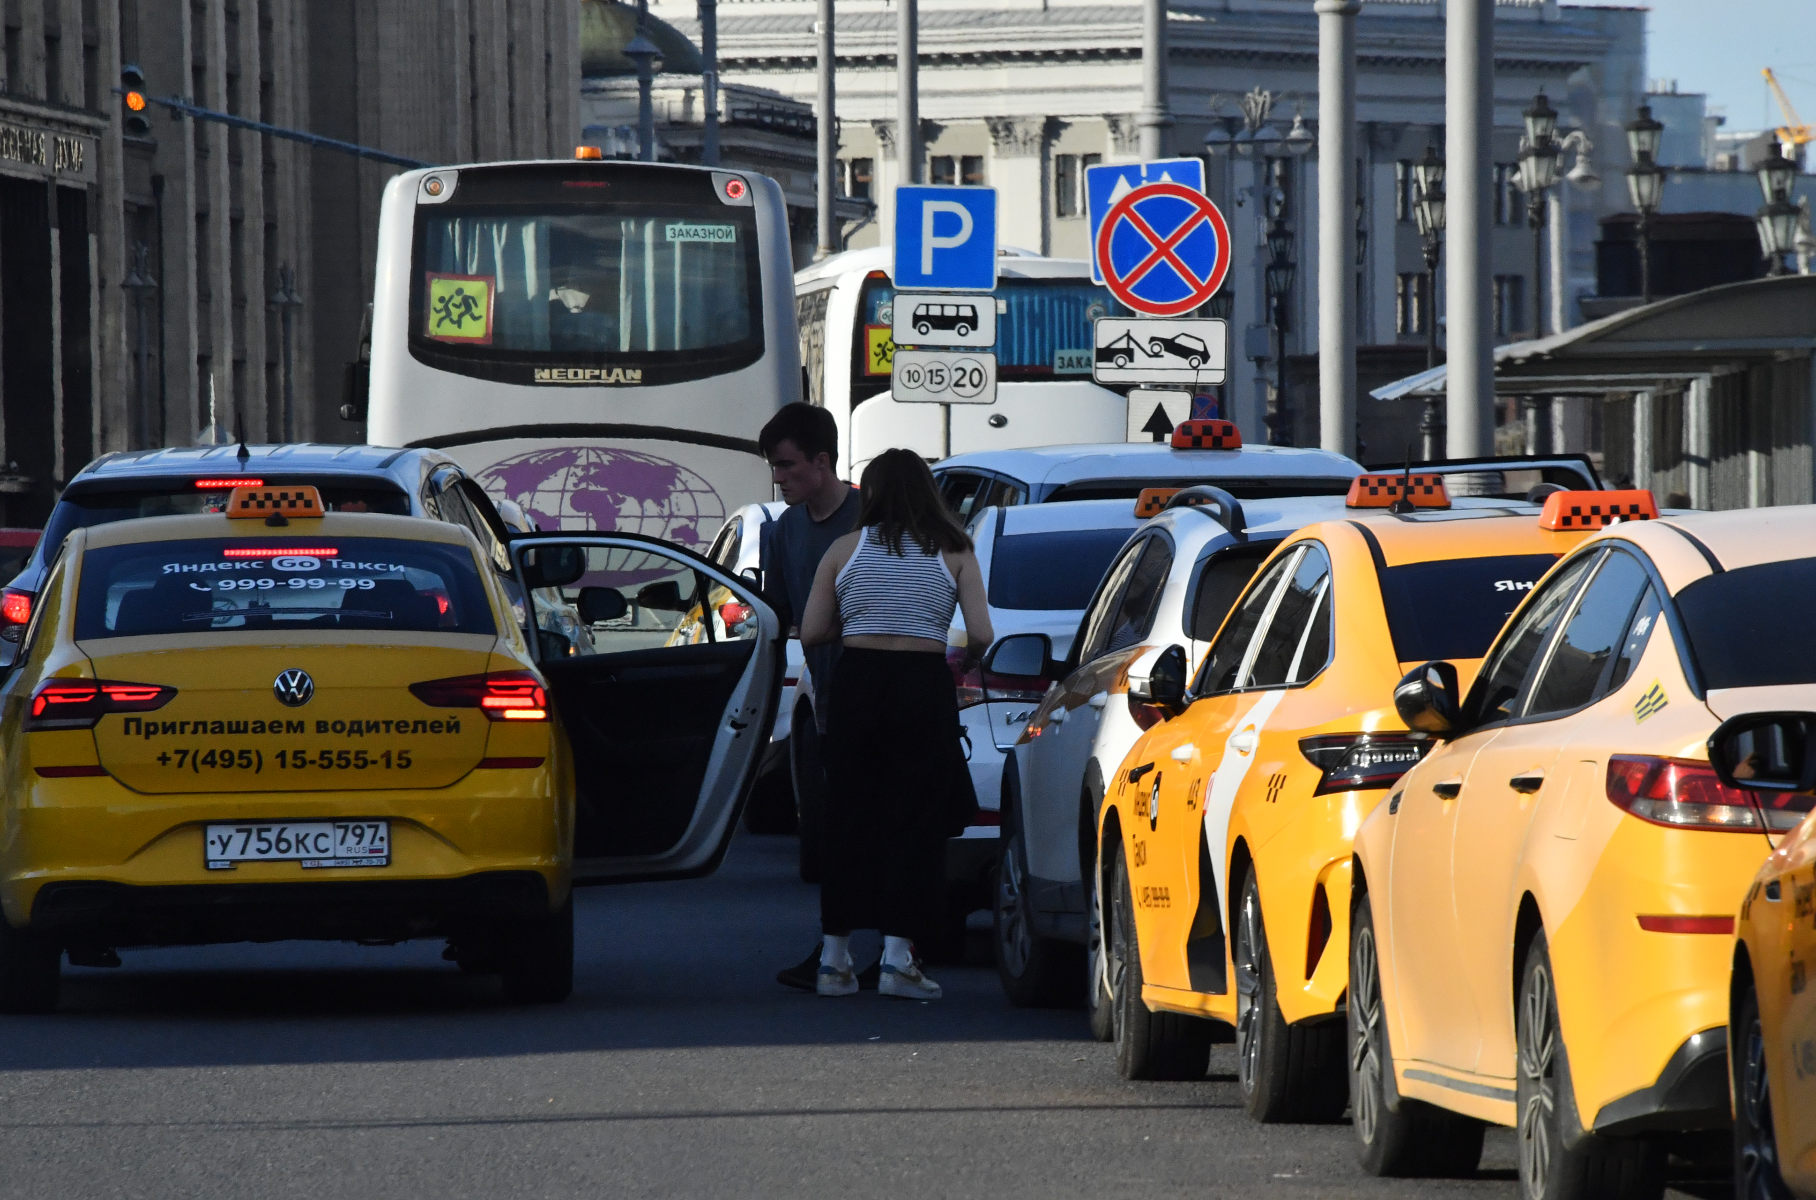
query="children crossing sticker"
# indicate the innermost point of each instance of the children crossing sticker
(460, 308)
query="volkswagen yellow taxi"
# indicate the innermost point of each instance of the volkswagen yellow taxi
(1543, 911)
(273, 723)
(1226, 830)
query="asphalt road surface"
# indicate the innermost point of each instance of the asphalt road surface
(679, 1068)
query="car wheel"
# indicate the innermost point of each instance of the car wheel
(808, 773)
(771, 807)
(1122, 360)
(538, 965)
(31, 968)
(963, 330)
(1599, 1167)
(1036, 971)
(1414, 1139)
(1149, 1045)
(1287, 1072)
(1100, 1001)
(923, 329)
(1156, 348)
(1756, 1172)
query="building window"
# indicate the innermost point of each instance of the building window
(858, 178)
(1405, 187)
(1506, 194)
(1067, 187)
(948, 170)
(1410, 303)
(971, 170)
(1509, 304)
(945, 170)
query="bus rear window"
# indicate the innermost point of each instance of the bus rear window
(1051, 571)
(1454, 608)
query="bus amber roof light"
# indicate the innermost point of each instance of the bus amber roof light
(1571, 511)
(588, 152)
(433, 185)
(1384, 491)
(1207, 434)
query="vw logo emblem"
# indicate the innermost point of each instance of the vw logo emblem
(294, 687)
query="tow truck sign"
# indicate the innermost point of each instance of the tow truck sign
(1130, 350)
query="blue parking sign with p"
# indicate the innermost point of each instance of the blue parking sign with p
(945, 239)
(1106, 184)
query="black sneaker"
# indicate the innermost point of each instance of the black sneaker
(805, 975)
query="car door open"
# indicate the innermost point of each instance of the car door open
(667, 703)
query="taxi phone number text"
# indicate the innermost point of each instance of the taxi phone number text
(293, 760)
(295, 583)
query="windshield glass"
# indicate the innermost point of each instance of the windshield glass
(1051, 570)
(1453, 608)
(1736, 622)
(659, 281)
(206, 585)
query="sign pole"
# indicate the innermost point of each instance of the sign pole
(1336, 225)
(1154, 117)
(907, 92)
(827, 136)
(1469, 116)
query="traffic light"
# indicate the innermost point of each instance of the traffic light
(132, 87)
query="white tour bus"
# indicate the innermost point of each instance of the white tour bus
(598, 341)
(844, 307)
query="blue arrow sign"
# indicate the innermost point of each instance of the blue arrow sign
(945, 239)
(1105, 185)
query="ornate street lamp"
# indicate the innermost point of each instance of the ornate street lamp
(1299, 139)
(1281, 271)
(1539, 153)
(1428, 212)
(1645, 187)
(1778, 220)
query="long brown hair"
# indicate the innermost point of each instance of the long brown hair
(898, 495)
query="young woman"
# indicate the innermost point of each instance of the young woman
(888, 591)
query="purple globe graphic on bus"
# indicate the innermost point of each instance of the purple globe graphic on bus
(626, 491)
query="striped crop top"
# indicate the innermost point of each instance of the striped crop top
(913, 595)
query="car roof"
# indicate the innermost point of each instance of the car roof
(290, 457)
(1058, 465)
(1473, 527)
(219, 525)
(1734, 539)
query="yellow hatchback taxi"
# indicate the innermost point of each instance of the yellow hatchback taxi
(224, 729)
(1541, 931)
(1226, 831)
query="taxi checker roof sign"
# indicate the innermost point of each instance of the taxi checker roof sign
(945, 239)
(1163, 249)
(1105, 185)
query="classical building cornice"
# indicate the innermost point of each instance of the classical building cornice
(1019, 137)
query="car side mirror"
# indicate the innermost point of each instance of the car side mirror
(553, 566)
(1164, 684)
(1426, 698)
(1766, 752)
(1023, 655)
(663, 596)
(598, 605)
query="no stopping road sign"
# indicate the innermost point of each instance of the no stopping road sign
(1163, 249)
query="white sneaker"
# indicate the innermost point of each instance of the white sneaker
(907, 983)
(835, 982)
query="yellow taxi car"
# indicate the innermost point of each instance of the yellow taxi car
(1226, 831)
(1770, 758)
(334, 726)
(1542, 912)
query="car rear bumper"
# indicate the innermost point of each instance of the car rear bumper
(1691, 1093)
(118, 914)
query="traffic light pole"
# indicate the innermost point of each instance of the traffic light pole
(183, 108)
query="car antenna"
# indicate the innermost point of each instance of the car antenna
(1404, 504)
(244, 454)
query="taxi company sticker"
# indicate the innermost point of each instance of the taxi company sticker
(879, 349)
(296, 563)
(460, 308)
(688, 231)
(1649, 704)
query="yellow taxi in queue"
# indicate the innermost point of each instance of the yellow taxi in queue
(310, 726)
(1226, 831)
(1541, 930)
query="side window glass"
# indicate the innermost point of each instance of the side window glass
(1633, 647)
(1097, 624)
(1314, 649)
(634, 599)
(961, 491)
(724, 550)
(1497, 689)
(1135, 614)
(1591, 636)
(1287, 633)
(1223, 663)
(1221, 581)
(34, 647)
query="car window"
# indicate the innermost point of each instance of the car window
(724, 549)
(1639, 632)
(1497, 689)
(1286, 635)
(1737, 627)
(1050, 571)
(1135, 613)
(1454, 607)
(1001, 493)
(1220, 581)
(662, 600)
(1097, 623)
(1222, 664)
(459, 506)
(959, 489)
(32, 644)
(1591, 636)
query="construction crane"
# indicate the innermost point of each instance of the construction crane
(1793, 132)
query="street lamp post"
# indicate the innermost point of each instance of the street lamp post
(1280, 273)
(1645, 187)
(645, 54)
(1779, 219)
(1428, 211)
(1539, 153)
(287, 300)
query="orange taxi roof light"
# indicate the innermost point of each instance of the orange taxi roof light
(294, 500)
(1207, 434)
(1567, 511)
(588, 152)
(1383, 491)
(1153, 501)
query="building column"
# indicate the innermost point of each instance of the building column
(1018, 171)
(1468, 151)
(1697, 440)
(1337, 224)
(113, 392)
(1643, 458)
(220, 386)
(1154, 118)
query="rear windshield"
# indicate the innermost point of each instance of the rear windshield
(1051, 570)
(280, 584)
(1453, 608)
(1242, 489)
(181, 497)
(1738, 629)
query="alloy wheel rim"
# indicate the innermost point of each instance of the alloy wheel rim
(1538, 1071)
(1013, 937)
(1118, 964)
(1097, 964)
(1365, 1032)
(1759, 1154)
(1248, 990)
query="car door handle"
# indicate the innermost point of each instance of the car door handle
(1527, 782)
(1099, 700)
(1184, 753)
(1448, 788)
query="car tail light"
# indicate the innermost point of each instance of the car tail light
(501, 695)
(1685, 794)
(79, 703)
(15, 607)
(970, 683)
(1355, 761)
(86, 772)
